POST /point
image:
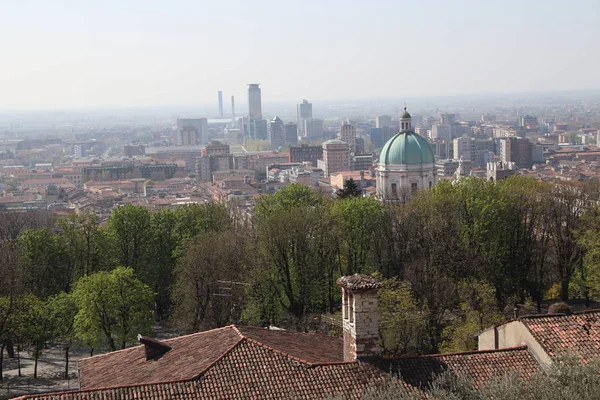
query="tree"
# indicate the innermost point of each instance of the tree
(359, 225)
(61, 309)
(129, 227)
(289, 197)
(567, 202)
(36, 327)
(203, 293)
(159, 273)
(44, 260)
(85, 242)
(478, 311)
(114, 307)
(400, 321)
(349, 190)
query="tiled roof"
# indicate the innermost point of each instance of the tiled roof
(560, 334)
(479, 366)
(359, 282)
(248, 370)
(191, 354)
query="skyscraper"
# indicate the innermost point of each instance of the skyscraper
(220, 104)
(192, 132)
(304, 114)
(348, 135)
(383, 121)
(291, 133)
(254, 101)
(276, 133)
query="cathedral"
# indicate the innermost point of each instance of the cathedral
(406, 164)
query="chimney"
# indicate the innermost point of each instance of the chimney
(360, 318)
(155, 349)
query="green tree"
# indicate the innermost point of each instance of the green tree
(61, 309)
(159, 273)
(400, 321)
(478, 311)
(349, 190)
(130, 229)
(44, 261)
(113, 308)
(194, 219)
(287, 198)
(36, 327)
(359, 225)
(85, 242)
(203, 294)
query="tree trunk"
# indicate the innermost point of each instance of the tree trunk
(564, 290)
(66, 362)
(36, 354)
(2, 357)
(10, 349)
(19, 360)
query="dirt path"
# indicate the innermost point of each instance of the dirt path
(51, 366)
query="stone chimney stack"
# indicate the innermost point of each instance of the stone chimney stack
(360, 317)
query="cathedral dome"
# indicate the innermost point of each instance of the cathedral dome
(406, 148)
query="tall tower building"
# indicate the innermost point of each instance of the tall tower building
(276, 133)
(291, 133)
(348, 134)
(254, 101)
(336, 157)
(191, 132)
(220, 104)
(304, 115)
(383, 121)
(406, 164)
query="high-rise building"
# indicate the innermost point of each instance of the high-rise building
(336, 157)
(306, 153)
(304, 115)
(254, 101)
(313, 128)
(348, 134)
(383, 121)
(276, 133)
(191, 132)
(215, 148)
(517, 150)
(448, 118)
(291, 133)
(478, 151)
(441, 131)
(220, 104)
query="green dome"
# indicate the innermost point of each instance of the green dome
(406, 148)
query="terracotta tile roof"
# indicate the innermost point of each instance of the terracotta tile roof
(247, 370)
(191, 354)
(359, 282)
(480, 366)
(560, 334)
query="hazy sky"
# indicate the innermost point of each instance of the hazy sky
(71, 54)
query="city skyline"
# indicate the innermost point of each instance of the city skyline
(124, 55)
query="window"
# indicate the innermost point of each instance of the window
(430, 184)
(346, 305)
(414, 186)
(351, 307)
(394, 193)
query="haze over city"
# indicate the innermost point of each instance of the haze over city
(65, 54)
(312, 200)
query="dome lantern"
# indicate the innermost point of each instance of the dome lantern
(405, 122)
